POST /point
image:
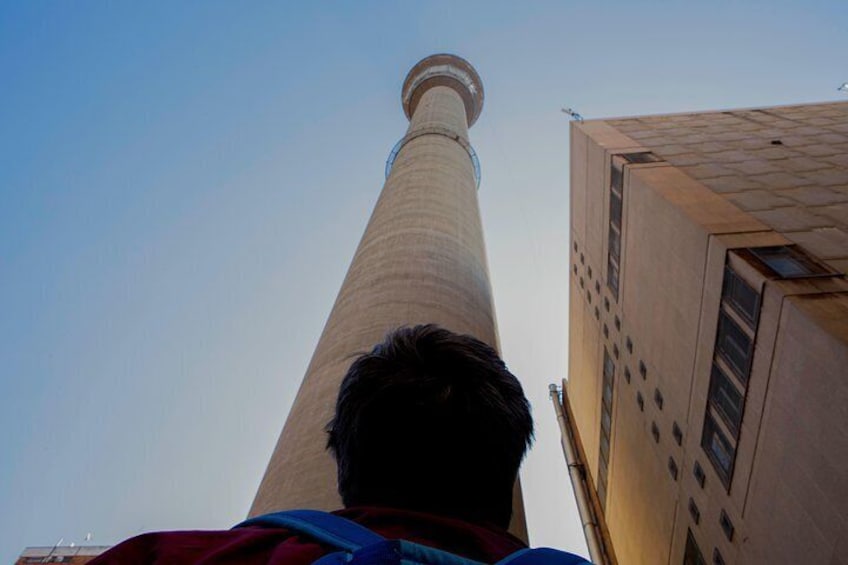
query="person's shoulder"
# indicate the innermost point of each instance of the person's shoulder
(243, 545)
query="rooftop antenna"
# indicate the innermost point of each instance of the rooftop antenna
(575, 116)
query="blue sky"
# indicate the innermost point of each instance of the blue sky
(182, 186)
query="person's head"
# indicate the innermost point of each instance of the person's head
(433, 421)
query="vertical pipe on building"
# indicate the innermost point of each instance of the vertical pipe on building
(422, 259)
(577, 474)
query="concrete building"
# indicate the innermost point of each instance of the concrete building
(708, 353)
(72, 555)
(422, 259)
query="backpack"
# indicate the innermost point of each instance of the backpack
(358, 545)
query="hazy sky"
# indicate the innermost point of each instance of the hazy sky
(182, 187)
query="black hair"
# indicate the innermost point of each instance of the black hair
(433, 421)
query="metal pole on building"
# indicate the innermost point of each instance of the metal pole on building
(577, 474)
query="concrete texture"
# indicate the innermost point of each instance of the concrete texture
(422, 259)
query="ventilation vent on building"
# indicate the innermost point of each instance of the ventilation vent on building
(678, 435)
(700, 476)
(694, 512)
(726, 525)
(672, 468)
(643, 157)
(655, 431)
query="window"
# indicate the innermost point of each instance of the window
(606, 304)
(627, 374)
(615, 209)
(672, 468)
(726, 399)
(677, 434)
(643, 370)
(589, 270)
(606, 425)
(575, 246)
(629, 344)
(615, 351)
(658, 398)
(744, 300)
(582, 259)
(640, 401)
(734, 346)
(581, 282)
(726, 525)
(597, 287)
(616, 178)
(642, 157)
(617, 324)
(606, 331)
(597, 314)
(694, 512)
(612, 277)
(655, 431)
(589, 296)
(700, 476)
(719, 449)
(692, 554)
(717, 558)
(732, 359)
(789, 262)
(614, 243)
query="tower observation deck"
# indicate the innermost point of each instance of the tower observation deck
(422, 259)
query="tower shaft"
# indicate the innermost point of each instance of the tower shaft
(421, 260)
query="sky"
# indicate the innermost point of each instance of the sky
(183, 185)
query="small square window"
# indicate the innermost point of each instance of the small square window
(627, 374)
(640, 401)
(678, 435)
(643, 370)
(672, 468)
(700, 476)
(726, 525)
(717, 558)
(617, 324)
(789, 262)
(655, 431)
(629, 345)
(694, 512)
(658, 398)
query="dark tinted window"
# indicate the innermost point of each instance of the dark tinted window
(734, 346)
(614, 243)
(616, 178)
(719, 449)
(788, 261)
(726, 399)
(692, 554)
(615, 209)
(741, 296)
(612, 276)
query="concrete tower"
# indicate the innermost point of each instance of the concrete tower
(422, 259)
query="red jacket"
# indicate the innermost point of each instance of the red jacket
(278, 546)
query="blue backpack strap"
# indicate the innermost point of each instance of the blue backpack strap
(542, 556)
(417, 553)
(321, 526)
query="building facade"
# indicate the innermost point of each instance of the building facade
(69, 554)
(422, 259)
(708, 349)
